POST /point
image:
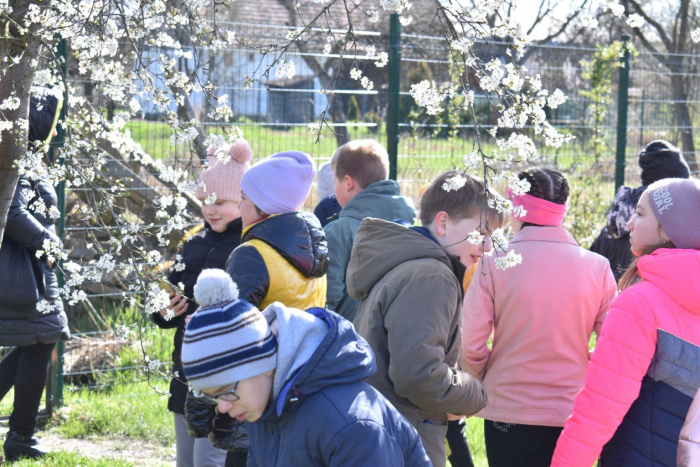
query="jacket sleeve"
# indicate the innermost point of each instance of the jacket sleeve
(251, 459)
(339, 238)
(689, 442)
(363, 443)
(613, 381)
(22, 226)
(477, 322)
(609, 294)
(424, 310)
(248, 270)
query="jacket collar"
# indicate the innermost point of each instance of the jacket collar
(234, 228)
(544, 234)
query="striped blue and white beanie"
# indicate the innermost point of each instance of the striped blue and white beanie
(227, 340)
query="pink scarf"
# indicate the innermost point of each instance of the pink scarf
(539, 211)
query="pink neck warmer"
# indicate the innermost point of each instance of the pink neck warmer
(539, 211)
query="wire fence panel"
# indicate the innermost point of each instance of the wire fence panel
(275, 114)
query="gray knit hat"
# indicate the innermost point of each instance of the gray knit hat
(227, 340)
(676, 205)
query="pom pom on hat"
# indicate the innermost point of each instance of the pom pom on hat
(214, 286)
(223, 177)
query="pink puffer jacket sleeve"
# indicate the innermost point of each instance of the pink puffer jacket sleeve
(477, 322)
(613, 381)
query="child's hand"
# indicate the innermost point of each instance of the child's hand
(178, 304)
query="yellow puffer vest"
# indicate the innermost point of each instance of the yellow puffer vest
(282, 258)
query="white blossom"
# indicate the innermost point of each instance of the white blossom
(366, 83)
(695, 35)
(44, 306)
(589, 22)
(454, 183)
(355, 73)
(617, 10)
(509, 260)
(519, 186)
(635, 21)
(475, 237)
(382, 59)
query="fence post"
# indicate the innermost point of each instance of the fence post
(54, 394)
(392, 117)
(622, 104)
(641, 125)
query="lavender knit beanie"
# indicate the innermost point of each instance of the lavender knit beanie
(676, 205)
(281, 182)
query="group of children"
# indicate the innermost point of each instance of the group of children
(360, 342)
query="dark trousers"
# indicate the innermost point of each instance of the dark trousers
(456, 436)
(26, 369)
(236, 459)
(510, 445)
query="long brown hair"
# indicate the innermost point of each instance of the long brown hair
(631, 275)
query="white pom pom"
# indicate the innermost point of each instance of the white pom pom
(214, 286)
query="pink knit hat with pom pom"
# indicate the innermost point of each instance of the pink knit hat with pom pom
(224, 177)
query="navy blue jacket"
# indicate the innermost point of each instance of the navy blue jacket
(326, 415)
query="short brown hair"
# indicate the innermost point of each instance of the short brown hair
(462, 203)
(365, 160)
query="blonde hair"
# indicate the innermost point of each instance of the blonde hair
(365, 160)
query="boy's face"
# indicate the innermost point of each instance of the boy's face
(345, 189)
(220, 213)
(249, 214)
(454, 238)
(255, 394)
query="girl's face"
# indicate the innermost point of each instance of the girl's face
(454, 239)
(645, 230)
(254, 393)
(249, 213)
(220, 213)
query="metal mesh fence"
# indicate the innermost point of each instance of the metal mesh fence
(275, 114)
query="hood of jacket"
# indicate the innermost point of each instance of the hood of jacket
(379, 247)
(298, 237)
(676, 272)
(623, 209)
(333, 354)
(382, 200)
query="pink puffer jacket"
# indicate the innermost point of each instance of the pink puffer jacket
(665, 304)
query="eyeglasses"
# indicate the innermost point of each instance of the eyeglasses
(228, 396)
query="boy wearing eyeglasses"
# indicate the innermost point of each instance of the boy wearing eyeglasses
(296, 378)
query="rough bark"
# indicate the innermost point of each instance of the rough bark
(18, 80)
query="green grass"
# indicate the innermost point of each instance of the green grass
(127, 411)
(66, 459)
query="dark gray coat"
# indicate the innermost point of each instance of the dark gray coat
(20, 322)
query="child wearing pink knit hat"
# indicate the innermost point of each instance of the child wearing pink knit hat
(220, 185)
(219, 190)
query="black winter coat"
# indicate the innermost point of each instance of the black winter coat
(614, 240)
(21, 324)
(205, 250)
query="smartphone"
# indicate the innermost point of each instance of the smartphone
(165, 284)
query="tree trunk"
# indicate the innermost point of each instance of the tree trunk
(18, 79)
(683, 120)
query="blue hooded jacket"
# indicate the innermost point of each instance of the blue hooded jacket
(326, 415)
